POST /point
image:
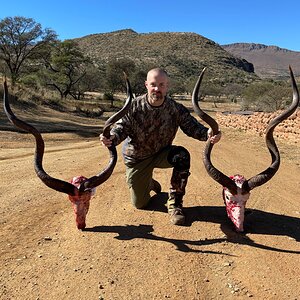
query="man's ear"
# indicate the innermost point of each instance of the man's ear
(146, 84)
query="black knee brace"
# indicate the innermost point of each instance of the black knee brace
(179, 158)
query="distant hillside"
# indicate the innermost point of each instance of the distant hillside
(181, 54)
(268, 61)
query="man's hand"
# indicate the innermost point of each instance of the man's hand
(105, 141)
(213, 138)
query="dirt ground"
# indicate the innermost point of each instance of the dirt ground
(126, 253)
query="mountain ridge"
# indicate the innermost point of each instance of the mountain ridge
(182, 54)
(268, 61)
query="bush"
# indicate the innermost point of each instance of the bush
(108, 96)
(94, 113)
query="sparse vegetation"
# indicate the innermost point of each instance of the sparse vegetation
(266, 96)
(183, 55)
(69, 69)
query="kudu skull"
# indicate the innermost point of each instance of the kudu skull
(236, 189)
(80, 189)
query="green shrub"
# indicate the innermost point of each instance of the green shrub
(108, 96)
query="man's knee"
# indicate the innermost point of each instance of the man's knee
(138, 205)
(139, 201)
(179, 158)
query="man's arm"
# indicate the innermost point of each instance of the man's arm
(191, 127)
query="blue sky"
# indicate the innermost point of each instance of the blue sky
(257, 21)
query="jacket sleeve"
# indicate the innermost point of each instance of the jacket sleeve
(190, 126)
(121, 129)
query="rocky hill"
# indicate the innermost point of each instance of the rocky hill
(268, 61)
(182, 54)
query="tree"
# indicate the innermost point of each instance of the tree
(233, 90)
(274, 99)
(266, 96)
(252, 94)
(138, 82)
(114, 75)
(91, 81)
(65, 68)
(176, 87)
(21, 40)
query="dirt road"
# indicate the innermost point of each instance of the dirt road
(137, 254)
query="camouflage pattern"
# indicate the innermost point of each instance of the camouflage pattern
(178, 183)
(148, 129)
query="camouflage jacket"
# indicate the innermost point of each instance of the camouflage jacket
(147, 129)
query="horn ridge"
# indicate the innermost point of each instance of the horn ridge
(210, 168)
(204, 116)
(106, 173)
(114, 118)
(214, 173)
(268, 173)
(56, 184)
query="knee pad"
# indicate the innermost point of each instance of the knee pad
(179, 158)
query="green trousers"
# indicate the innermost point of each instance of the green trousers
(139, 177)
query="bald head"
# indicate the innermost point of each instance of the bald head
(157, 72)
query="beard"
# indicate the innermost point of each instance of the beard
(156, 96)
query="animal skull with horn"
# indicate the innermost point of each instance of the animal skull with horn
(80, 189)
(236, 189)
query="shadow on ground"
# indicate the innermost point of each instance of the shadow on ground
(256, 222)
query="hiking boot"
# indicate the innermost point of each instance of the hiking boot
(155, 186)
(175, 211)
(176, 216)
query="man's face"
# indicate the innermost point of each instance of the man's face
(157, 86)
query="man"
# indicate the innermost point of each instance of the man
(149, 129)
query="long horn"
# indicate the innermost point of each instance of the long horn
(56, 184)
(211, 170)
(204, 116)
(106, 173)
(267, 174)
